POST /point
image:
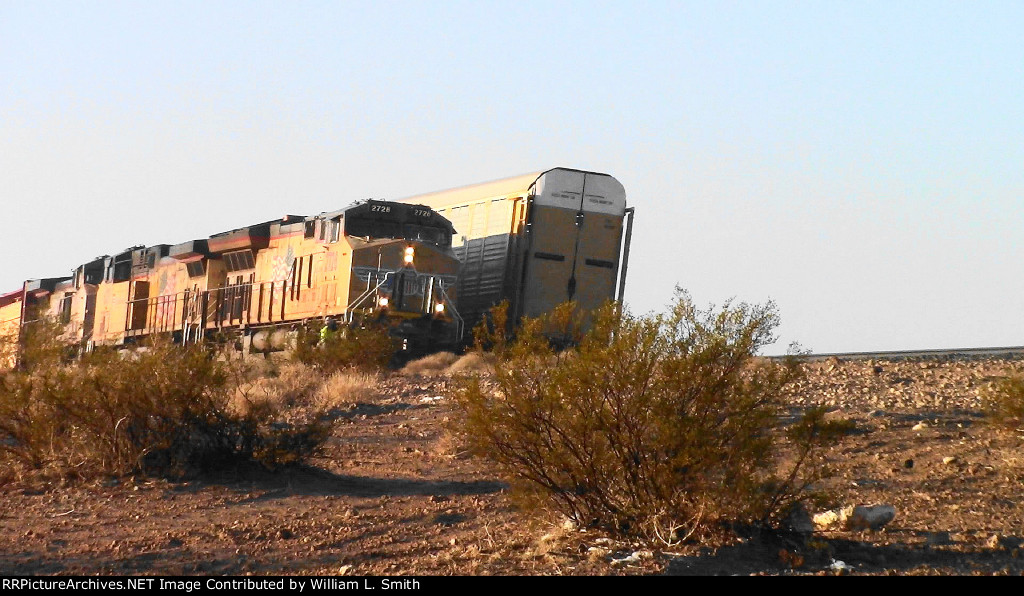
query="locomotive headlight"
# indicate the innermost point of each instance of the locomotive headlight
(382, 301)
(439, 308)
(410, 252)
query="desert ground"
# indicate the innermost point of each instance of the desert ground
(393, 493)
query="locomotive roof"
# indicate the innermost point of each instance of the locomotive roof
(43, 286)
(10, 297)
(262, 224)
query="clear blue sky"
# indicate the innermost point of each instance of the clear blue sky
(861, 163)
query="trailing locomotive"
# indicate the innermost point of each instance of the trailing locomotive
(386, 261)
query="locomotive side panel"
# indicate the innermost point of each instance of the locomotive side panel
(337, 266)
(165, 308)
(274, 286)
(111, 312)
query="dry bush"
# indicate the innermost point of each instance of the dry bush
(433, 364)
(343, 388)
(368, 349)
(41, 345)
(162, 410)
(1004, 402)
(447, 363)
(662, 427)
(287, 386)
(8, 348)
(448, 445)
(473, 363)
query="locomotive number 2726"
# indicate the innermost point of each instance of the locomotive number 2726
(381, 208)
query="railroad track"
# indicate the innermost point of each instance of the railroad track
(965, 353)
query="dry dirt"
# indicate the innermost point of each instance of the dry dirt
(393, 495)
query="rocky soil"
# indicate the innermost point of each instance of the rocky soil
(394, 494)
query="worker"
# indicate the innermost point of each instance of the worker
(328, 330)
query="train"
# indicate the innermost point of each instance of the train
(428, 267)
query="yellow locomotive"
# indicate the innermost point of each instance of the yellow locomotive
(392, 262)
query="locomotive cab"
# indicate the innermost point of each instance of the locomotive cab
(404, 271)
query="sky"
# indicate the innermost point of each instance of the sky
(861, 164)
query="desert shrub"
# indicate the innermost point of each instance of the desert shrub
(366, 348)
(1003, 402)
(661, 426)
(163, 409)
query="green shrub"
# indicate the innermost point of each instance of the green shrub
(163, 409)
(1004, 402)
(662, 427)
(365, 348)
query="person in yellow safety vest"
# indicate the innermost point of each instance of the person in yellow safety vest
(328, 330)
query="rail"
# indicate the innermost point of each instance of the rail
(1004, 352)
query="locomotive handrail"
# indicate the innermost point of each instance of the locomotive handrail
(362, 297)
(460, 324)
(193, 329)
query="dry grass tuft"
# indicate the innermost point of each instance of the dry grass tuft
(345, 388)
(1004, 402)
(293, 385)
(433, 364)
(473, 363)
(452, 446)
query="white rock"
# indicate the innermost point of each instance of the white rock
(858, 517)
(636, 557)
(870, 518)
(831, 519)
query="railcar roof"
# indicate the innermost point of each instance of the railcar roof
(495, 188)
